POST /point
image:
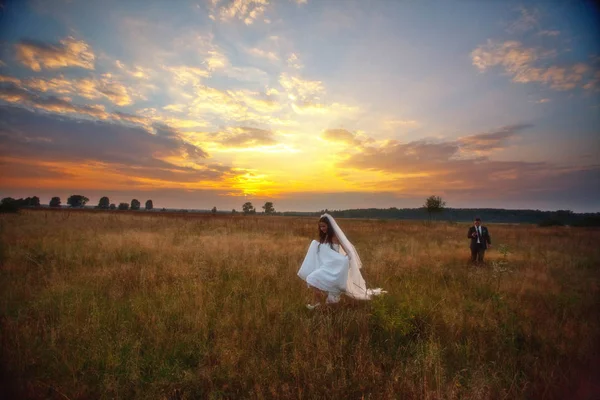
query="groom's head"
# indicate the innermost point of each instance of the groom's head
(477, 221)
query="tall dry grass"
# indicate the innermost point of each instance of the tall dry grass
(109, 305)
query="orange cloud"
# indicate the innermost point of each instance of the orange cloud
(69, 53)
(9, 79)
(106, 150)
(340, 135)
(460, 166)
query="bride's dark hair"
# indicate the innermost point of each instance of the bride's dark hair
(326, 237)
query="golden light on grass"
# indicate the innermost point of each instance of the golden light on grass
(145, 305)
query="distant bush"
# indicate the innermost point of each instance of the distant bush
(9, 205)
(589, 221)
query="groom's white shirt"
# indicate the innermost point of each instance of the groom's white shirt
(478, 229)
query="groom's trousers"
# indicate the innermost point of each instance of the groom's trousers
(477, 254)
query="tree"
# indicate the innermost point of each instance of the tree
(112, 206)
(233, 211)
(268, 207)
(104, 203)
(9, 205)
(33, 201)
(248, 208)
(123, 206)
(55, 202)
(214, 210)
(135, 204)
(434, 204)
(77, 200)
(149, 205)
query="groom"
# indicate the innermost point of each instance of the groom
(480, 241)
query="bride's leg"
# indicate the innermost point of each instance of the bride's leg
(318, 295)
(316, 298)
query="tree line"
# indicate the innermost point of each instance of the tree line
(434, 207)
(9, 204)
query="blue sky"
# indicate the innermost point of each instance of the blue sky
(309, 104)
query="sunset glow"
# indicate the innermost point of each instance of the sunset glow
(309, 104)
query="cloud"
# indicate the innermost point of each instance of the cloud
(293, 61)
(594, 83)
(135, 71)
(551, 33)
(183, 75)
(134, 119)
(528, 20)
(20, 169)
(259, 102)
(340, 135)
(459, 168)
(216, 60)
(241, 105)
(487, 142)
(244, 10)
(178, 108)
(110, 147)
(107, 87)
(9, 79)
(244, 137)
(519, 62)
(269, 55)
(110, 88)
(15, 94)
(68, 53)
(511, 55)
(301, 89)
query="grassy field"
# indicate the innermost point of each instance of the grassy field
(110, 305)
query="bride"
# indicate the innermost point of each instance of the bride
(332, 266)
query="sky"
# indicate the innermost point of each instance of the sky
(310, 104)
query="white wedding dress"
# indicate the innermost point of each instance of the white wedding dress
(325, 268)
(331, 270)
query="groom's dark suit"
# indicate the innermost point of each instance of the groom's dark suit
(480, 238)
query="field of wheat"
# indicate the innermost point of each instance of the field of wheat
(158, 306)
